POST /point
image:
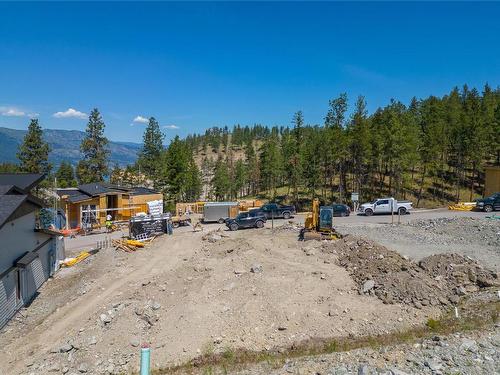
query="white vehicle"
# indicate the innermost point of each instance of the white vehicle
(384, 205)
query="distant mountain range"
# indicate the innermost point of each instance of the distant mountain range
(65, 145)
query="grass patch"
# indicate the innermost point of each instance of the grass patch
(433, 324)
(475, 315)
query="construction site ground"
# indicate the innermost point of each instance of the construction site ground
(193, 294)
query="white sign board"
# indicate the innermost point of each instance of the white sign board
(354, 197)
(155, 207)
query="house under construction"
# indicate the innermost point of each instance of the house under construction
(89, 204)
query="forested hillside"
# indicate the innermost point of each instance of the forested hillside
(432, 150)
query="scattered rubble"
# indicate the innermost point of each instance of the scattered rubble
(444, 355)
(214, 236)
(436, 280)
(478, 238)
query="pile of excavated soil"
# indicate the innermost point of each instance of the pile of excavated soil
(437, 280)
(478, 238)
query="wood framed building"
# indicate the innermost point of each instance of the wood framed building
(91, 203)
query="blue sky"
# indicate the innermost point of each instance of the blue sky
(197, 65)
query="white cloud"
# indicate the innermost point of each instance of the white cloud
(170, 127)
(16, 112)
(141, 119)
(12, 112)
(70, 112)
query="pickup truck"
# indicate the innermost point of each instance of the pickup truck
(249, 219)
(489, 204)
(383, 206)
(273, 210)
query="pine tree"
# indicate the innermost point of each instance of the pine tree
(9, 168)
(335, 154)
(94, 165)
(152, 147)
(295, 163)
(312, 160)
(360, 145)
(179, 175)
(116, 176)
(239, 179)
(252, 168)
(33, 153)
(271, 164)
(221, 182)
(65, 175)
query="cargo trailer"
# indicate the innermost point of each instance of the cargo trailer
(219, 211)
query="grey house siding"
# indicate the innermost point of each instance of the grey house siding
(9, 303)
(18, 238)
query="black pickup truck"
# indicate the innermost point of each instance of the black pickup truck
(274, 210)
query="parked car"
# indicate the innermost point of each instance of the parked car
(489, 204)
(274, 210)
(383, 206)
(250, 219)
(341, 209)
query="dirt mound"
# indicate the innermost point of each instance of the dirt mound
(458, 270)
(436, 280)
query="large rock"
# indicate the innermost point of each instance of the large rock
(368, 285)
(106, 319)
(256, 268)
(83, 367)
(65, 348)
(469, 345)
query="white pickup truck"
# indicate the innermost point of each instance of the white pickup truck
(383, 206)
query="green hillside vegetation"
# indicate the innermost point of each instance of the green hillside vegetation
(432, 151)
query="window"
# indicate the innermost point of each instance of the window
(270, 207)
(243, 215)
(384, 201)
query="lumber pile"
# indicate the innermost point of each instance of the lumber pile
(130, 246)
(70, 262)
(462, 206)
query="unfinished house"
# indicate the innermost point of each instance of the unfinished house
(29, 255)
(89, 204)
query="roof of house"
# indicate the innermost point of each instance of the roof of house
(25, 181)
(101, 188)
(9, 203)
(88, 191)
(141, 190)
(12, 195)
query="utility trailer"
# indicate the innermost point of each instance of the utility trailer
(219, 211)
